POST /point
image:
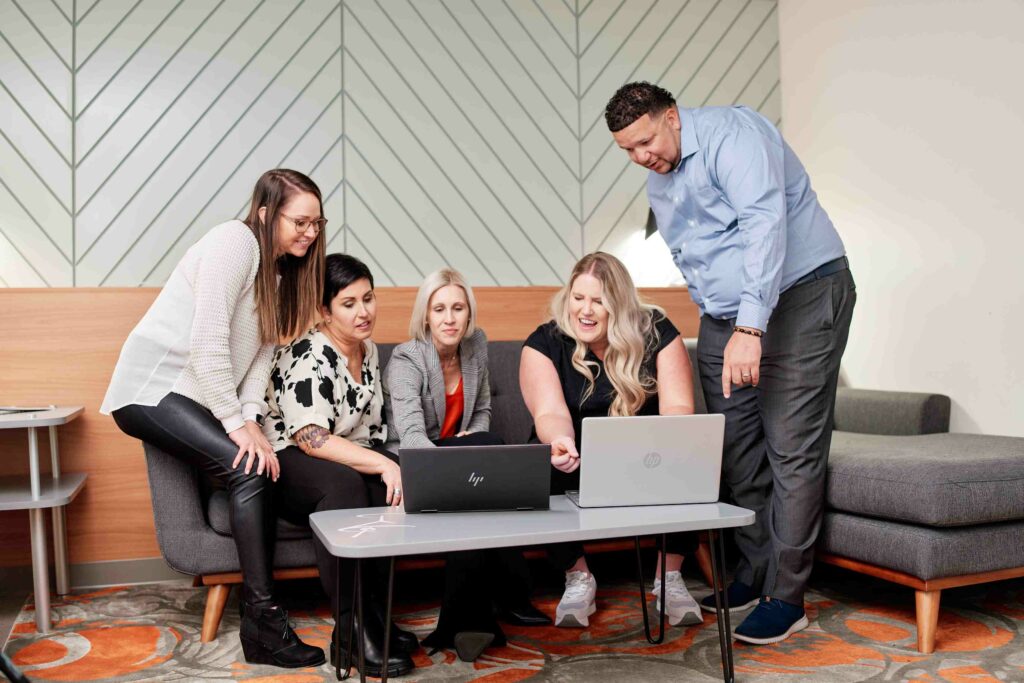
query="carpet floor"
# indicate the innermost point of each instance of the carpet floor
(861, 630)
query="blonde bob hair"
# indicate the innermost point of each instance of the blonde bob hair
(419, 327)
(632, 334)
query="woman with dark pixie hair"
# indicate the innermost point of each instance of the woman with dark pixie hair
(326, 422)
(193, 373)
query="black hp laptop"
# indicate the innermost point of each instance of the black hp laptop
(476, 478)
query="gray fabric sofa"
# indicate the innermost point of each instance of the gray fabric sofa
(911, 503)
(906, 500)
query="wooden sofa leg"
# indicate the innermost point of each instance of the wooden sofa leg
(216, 599)
(927, 620)
(704, 559)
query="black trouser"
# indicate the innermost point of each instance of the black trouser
(564, 555)
(470, 576)
(310, 484)
(777, 434)
(186, 430)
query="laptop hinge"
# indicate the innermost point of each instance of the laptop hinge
(430, 510)
(524, 508)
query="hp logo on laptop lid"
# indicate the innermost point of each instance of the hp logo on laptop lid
(475, 478)
(652, 460)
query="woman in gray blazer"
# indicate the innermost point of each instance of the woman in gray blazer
(440, 395)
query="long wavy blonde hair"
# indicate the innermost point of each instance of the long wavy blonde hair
(631, 333)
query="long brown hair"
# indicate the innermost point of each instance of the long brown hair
(285, 309)
(631, 333)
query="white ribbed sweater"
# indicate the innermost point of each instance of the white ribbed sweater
(201, 337)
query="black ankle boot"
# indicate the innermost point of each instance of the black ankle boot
(407, 642)
(399, 661)
(268, 638)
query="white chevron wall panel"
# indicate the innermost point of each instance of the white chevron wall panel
(462, 132)
(36, 227)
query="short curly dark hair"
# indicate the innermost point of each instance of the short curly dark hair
(632, 101)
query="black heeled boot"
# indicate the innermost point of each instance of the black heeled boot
(407, 641)
(399, 661)
(268, 638)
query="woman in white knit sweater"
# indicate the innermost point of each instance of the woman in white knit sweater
(193, 374)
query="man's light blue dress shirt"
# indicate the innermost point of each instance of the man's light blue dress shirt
(739, 214)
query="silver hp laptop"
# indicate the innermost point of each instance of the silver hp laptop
(649, 460)
(475, 478)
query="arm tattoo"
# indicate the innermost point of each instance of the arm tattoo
(312, 436)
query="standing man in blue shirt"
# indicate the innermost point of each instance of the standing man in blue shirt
(768, 270)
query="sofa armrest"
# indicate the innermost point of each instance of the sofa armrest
(895, 413)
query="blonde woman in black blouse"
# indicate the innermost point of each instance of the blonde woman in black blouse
(604, 352)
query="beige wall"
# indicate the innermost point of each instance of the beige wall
(910, 119)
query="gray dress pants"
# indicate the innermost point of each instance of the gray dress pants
(777, 434)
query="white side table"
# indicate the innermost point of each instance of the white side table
(33, 493)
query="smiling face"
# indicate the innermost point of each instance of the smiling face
(303, 207)
(448, 316)
(587, 313)
(353, 313)
(652, 142)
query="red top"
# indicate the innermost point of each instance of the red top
(453, 405)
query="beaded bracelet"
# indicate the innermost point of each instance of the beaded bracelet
(753, 333)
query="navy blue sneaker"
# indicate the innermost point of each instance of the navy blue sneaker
(772, 621)
(741, 597)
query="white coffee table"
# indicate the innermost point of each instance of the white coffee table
(365, 533)
(35, 493)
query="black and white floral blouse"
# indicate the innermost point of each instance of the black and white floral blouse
(311, 384)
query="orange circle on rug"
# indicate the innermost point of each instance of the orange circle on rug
(877, 631)
(112, 651)
(41, 652)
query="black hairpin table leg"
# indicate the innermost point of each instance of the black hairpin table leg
(643, 595)
(387, 621)
(721, 603)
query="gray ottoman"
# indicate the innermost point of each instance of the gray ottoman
(911, 503)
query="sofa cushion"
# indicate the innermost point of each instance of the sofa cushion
(219, 518)
(509, 417)
(924, 552)
(934, 479)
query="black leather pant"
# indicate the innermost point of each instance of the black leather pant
(186, 430)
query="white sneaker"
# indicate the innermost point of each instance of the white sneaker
(577, 603)
(681, 608)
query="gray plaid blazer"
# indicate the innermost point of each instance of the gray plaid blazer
(414, 398)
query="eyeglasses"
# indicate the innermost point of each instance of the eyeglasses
(304, 224)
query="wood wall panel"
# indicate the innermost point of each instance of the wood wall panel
(60, 346)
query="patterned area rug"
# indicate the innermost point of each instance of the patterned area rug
(861, 630)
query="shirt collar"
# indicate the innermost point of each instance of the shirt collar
(687, 136)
